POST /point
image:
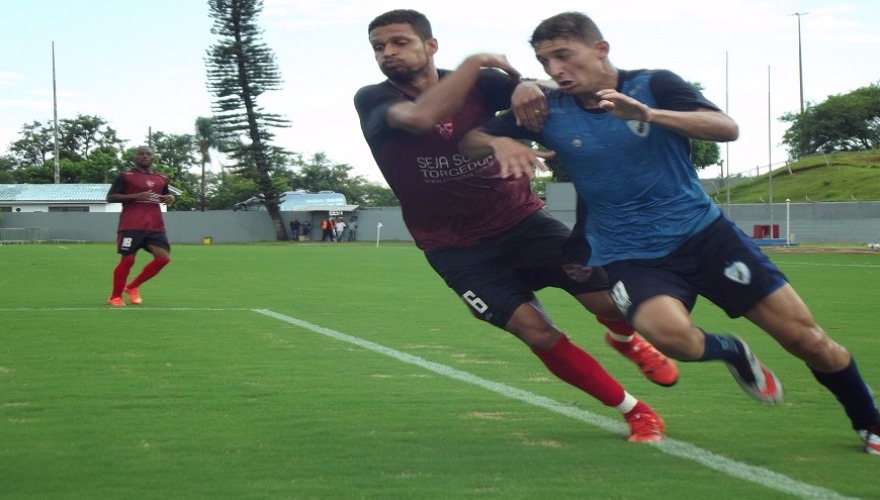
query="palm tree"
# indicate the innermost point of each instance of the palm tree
(207, 139)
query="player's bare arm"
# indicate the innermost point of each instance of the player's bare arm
(515, 158)
(703, 123)
(444, 99)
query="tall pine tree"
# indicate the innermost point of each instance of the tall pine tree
(240, 68)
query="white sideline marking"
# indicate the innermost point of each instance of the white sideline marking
(819, 264)
(131, 308)
(680, 449)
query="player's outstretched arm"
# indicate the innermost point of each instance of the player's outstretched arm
(444, 99)
(703, 123)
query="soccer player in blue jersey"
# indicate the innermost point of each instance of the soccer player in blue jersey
(624, 139)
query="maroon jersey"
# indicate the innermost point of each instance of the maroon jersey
(447, 199)
(141, 214)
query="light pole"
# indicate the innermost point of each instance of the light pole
(787, 222)
(800, 58)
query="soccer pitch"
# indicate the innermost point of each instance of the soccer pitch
(346, 370)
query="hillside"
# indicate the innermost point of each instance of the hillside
(851, 176)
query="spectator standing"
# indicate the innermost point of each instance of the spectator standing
(352, 228)
(340, 230)
(294, 229)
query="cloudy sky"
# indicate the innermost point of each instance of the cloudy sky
(140, 65)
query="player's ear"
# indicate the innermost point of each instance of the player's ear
(431, 45)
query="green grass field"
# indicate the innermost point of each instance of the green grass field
(330, 371)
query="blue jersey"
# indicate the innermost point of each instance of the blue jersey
(641, 194)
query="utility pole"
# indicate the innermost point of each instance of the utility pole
(800, 58)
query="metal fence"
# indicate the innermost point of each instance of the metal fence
(22, 235)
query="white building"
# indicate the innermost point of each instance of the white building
(56, 198)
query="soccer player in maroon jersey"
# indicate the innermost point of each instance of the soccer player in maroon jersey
(487, 235)
(140, 190)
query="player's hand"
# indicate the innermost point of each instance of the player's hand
(529, 104)
(577, 272)
(623, 106)
(167, 199)
(517, 160)
(144, 196)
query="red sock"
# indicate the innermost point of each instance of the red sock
(573, 365)
(120, 274)
(618, 327)
(151, 269)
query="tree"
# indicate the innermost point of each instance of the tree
(207, 138)
(35, 145)
(240, 69)
(319, 173)
(845, 122)
(80, 136)
(7, 170)
(704, 153)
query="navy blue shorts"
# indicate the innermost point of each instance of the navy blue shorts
(497, 275)
(720, 263)
(129, 242)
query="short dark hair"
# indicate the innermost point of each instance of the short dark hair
(417, 20)
(571, 25)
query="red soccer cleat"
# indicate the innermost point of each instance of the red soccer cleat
(644, 424)
(116, 302)
(655, 366)
(133, 295)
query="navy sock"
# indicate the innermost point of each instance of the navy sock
(850, 389)
(727, 348)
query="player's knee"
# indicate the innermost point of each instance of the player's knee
(539, 339)
(162, 261)
(809, 341)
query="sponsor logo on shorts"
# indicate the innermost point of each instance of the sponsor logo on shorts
(621, 297)
(738, 272)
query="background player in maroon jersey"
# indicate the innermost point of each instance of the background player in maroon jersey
(488, 236)
(140, 190)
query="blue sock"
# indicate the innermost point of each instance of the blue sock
(850, 389)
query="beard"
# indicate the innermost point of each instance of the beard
(399, 74)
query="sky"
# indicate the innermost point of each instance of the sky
(140, 65)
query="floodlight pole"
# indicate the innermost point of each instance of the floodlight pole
(800, 58)
(55, 112)
(726, 144)
(769, 153)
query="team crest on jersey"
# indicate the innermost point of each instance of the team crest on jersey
(151, 184)
(641, 129)
(444, 128)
